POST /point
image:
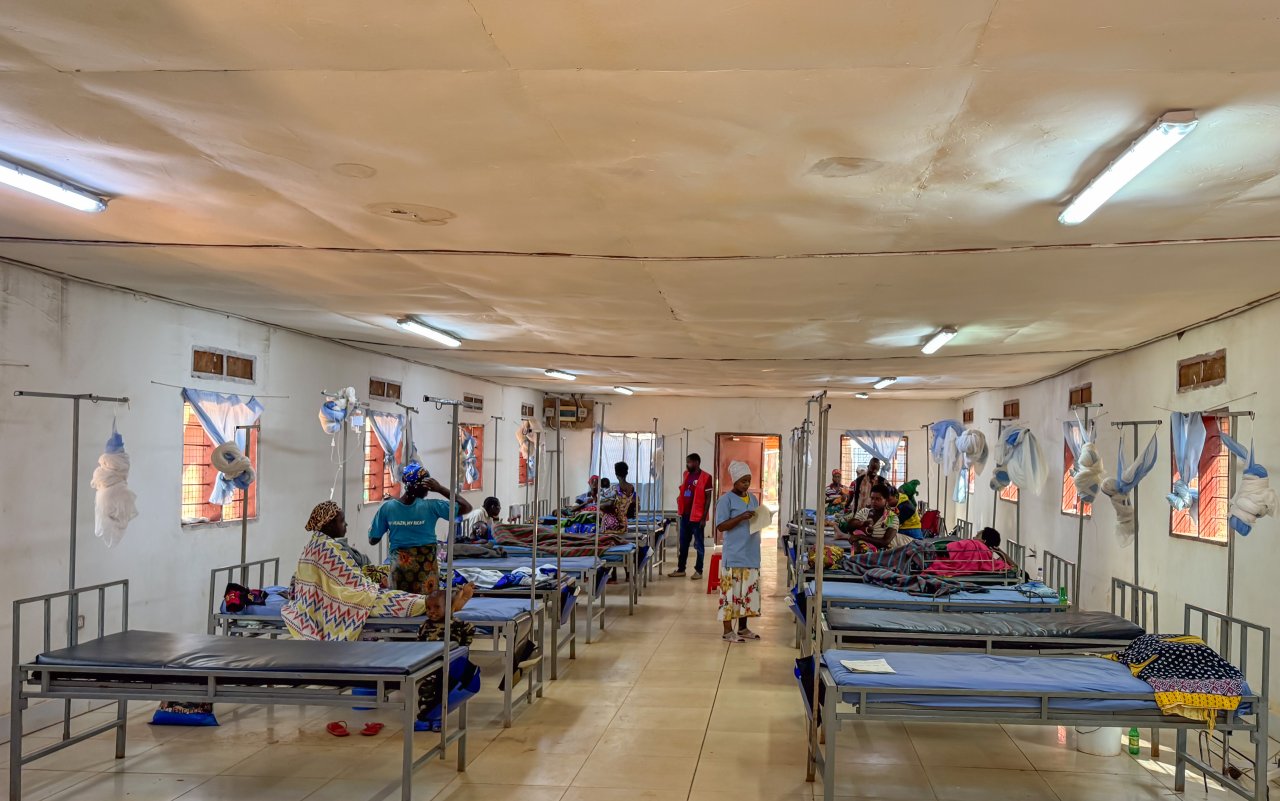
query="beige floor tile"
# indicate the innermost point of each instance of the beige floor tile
(299, 761)
(461, 791)
(671, 696)
(661, 718)
(625, 771)
(961, 745)
(1067, 758)
(375, 790)
(557, 770)
(876, 744)
(133, 786)
(727, 779)
(253, 788)
(753, 750)
(609, 794)
(40, 784)
(552, 739)
(96, 755)
(180, 756)
(679, 679)
(980, 784)
(650, 743)
(766, 721)
(890, 782)
(1095, 787)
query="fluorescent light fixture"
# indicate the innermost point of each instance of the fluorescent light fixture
(939, 339)
(884, 382)
(29, 180)
(861, 395)
(1168, 131)
(423, 330)
(560, 374)
(624, 390)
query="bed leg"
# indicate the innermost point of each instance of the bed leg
(508, 662)
(1261, 745)
(1180, 766)
(410, 689)
(1155, 743)
(462, 737)
(16, 708)
(573, 632)
(829, 728)
(122, 718)
(542, 644)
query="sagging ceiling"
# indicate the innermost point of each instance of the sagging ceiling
(650, 194)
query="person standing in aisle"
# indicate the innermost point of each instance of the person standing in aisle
(694, 505)
(740, 572)
(409, 523)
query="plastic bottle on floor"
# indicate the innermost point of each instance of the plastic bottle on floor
(1134, 741)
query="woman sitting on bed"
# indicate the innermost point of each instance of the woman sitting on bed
(878, 523)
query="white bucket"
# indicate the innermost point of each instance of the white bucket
(1099, 741)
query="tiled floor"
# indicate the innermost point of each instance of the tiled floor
(660, 709)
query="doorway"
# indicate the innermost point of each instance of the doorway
(763, 453)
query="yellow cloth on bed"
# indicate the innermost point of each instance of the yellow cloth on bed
(1214, 675)
(332, 597)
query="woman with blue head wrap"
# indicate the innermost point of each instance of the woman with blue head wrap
(409, 523)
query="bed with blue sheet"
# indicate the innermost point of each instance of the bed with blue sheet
(848, 686)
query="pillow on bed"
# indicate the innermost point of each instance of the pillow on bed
(177, 713)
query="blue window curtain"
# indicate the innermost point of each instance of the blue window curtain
(219, 415)
(389, 429)
(1188, 434)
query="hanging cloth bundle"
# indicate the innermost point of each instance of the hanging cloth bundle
(334, 411)
(971, 447)
(1020, 461)
(1088, 473)
(1255, 498)
(222, 417)
(115, 504)
(943, 449)
(1121, 488)
(1189, 436)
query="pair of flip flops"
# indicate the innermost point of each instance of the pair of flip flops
(338, 728)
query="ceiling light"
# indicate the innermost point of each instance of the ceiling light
(1168, 131)
(29, 180)
(423, 330)
(560, 374)
(939, 339)
(624, 391)
(884, 382)
(861, 395)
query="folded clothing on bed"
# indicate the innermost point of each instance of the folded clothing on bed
(1189, 678)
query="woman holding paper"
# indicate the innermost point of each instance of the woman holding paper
(740, 518)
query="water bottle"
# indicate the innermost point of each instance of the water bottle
(1133, 741)
(1062, 594)
(1040, 574)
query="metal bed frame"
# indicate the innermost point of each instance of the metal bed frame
(504, 634)
(32, 680)
(1138, 605)
(1232, 636)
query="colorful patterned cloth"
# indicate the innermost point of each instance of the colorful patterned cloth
(1189, 678)
(928, 586)
(739, 593)
(570, 544)
(909, 559)
(332, 598)
(415, 569)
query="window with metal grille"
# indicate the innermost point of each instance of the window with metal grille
(1070, 497)
(221, 364)
(1209, 524)
(383, 389)
(1199, 372)
(1009, 493)
(527, 411)
(1012, 409)
(1079, 395)
(379, 481)
(854, 458)
(473, 402)
(967, 416)
(198, 476)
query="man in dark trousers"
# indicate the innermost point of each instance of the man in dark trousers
(694, 504)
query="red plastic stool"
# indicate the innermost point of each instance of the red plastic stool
(713, 574)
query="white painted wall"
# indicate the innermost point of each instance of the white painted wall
(707, 416)
(1131, 386)
(80, 338)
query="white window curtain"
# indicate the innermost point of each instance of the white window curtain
(1189, 435)
(881, 444)
(219, 415)
(389, 429)
(1020, 461)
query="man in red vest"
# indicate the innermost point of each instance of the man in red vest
(694, 504)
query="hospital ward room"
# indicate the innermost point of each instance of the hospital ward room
(481, 400)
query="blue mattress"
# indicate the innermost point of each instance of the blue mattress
(570, 564)
(477, 610)
(869, 593)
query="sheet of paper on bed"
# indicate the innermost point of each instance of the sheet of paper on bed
(867, 665)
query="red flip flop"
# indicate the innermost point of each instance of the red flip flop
(338, 728)
(372, 729)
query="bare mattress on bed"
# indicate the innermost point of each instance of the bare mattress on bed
(1064, 625)
(153, 650)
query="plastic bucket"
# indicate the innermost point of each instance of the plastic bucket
(1098, 741)
(367, 692)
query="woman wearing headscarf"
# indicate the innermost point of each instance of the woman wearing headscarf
(409, 523)
(740, 568)
(835, 493)
(617, 502)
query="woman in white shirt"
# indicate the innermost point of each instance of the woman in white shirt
(740, 567)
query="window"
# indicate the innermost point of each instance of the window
(222, 364)
(966, 417)
(523, 479)
(379, 480)
(853, 458)
(1012, 409)
(634, 448)
(526, 411)
(198, 476)
(472, 402)
(383, 389)
(1206, 370)
(471, 457)
(1079, 395)
(1009, 493)
(1070, 497)
(1213, 481)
